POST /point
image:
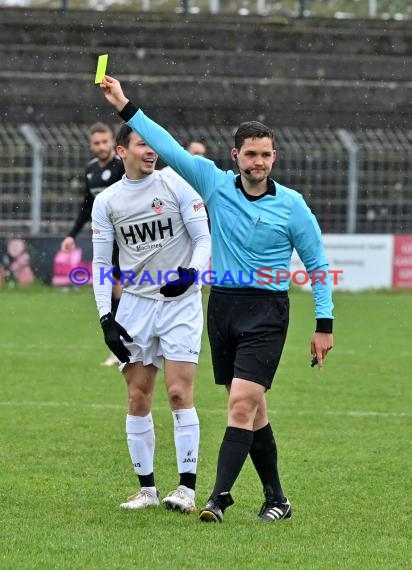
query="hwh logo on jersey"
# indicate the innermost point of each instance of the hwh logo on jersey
(144, 232)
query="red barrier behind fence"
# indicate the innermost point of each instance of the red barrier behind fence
(402, 262)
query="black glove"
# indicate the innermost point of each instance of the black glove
(186, 279)
(112, 333)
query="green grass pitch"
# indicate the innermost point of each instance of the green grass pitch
(344, 438)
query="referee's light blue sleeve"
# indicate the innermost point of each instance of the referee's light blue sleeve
(307, 240)
(198, 171)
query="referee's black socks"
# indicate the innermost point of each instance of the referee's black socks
(232, 455)
(264, 455)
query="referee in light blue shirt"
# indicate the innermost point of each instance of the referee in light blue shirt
(256, 223)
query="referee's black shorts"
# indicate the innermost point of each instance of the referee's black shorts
(247, 331)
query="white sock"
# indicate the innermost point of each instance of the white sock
(187, 435)
(141, 443)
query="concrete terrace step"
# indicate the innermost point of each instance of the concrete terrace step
(206, 70)
(160, 62)
(191, 100)
(106, 29)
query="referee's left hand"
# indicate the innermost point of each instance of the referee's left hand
(320, 345)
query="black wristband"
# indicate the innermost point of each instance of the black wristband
(324, 326)
(128, 111)
(106, 320)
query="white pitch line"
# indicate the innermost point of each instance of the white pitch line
(45, 346)
(21, 348)
(348, 413)
(12, 403)
(355, 413)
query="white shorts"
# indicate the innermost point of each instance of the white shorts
(162, 329)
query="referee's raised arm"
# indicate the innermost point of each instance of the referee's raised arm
(114, 93)
(200, 172)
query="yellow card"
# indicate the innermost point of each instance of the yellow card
(101, 67)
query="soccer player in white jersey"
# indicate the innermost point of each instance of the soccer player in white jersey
(164, 243)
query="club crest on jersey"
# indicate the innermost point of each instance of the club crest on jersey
(157, 205)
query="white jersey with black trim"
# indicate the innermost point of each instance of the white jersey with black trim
(157, 224)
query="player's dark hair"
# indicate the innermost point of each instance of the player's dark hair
(123, 135)
(100, 128)
(253, 130)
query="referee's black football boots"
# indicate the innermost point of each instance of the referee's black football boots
(215, 508)
(274, 510)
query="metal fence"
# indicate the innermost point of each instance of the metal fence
(355, 182)
(386, 9)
